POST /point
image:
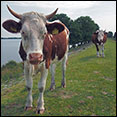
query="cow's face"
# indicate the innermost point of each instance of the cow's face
(100, 35)
(32, 27)
(33, 32)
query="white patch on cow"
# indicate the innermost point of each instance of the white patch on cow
(100, 35)
(101, 43)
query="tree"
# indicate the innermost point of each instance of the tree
(87, 26)
(75, 34)
(110, 34)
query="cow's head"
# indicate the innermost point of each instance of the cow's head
(100, 35)
(33, 29)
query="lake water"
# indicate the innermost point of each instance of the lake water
(9, 50)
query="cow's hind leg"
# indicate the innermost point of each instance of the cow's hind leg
(103, 50)
(52, 70)
(41, 85)
(29, 84)
(64, 63)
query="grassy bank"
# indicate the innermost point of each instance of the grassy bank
(91, 88)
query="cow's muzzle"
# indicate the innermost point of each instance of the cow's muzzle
(35, 58)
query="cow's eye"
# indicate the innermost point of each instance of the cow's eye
(23, 33)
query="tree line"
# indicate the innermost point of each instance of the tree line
(80, 29)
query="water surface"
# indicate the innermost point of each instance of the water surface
(9, 50)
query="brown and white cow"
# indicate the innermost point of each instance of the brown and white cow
(99, 38)
(41, 43)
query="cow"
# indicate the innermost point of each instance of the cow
(43, 44)
(99, 38)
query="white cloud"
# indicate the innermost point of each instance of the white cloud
(61, 4)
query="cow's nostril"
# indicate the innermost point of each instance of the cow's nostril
(30, 56)
(40, 56)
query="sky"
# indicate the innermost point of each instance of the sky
(102, 12)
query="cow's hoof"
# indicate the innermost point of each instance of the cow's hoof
(40, 111)
(63, 86)
(103, 56)
(52, 88)
(28, 108)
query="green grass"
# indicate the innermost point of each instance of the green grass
(91, 88)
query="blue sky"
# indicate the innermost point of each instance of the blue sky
(102, 12)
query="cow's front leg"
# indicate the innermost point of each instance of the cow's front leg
(41, 85)
(52, 70)
(64, 63)
(97, 48)
(29, 84)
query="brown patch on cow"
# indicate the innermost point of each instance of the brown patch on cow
(22, 53)
(105, 37)
(60, 44)
(94, 37)
(55, 45)
(47, 49)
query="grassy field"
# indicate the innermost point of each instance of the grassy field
(90, 91)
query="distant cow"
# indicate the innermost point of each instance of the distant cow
(42, 42)
(99, 38)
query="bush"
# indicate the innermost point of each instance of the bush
(11, 70)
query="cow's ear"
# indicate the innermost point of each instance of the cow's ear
(95, 33)
(54, 28)
(12, 26)
(105, 33)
